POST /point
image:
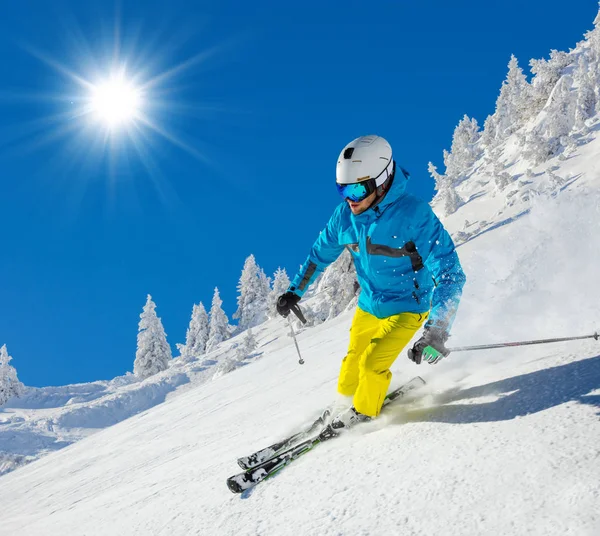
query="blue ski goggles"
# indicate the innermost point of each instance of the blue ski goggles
(358, 191)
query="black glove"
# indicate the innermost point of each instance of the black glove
(285, 302)
(430, 347)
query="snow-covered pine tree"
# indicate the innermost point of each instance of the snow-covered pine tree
(513, 107)
(281, 283)
(248, 345)
(535, 147)
(464, 150)
(546, 74)
(556, 181)
(446, 193)
(593, 38)
(197, 333)
(585, 106)
(452, 201)
(560, 114)
(234, 359)
(153, 352)
(593, 57)
(340, 286)
(9, 383)
(219, 324)
(253, 290)
(440, 180)
(501, 178)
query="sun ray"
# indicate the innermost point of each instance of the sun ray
(57, 66)
(174, 139)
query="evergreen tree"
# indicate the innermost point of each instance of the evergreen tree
(593, 38)
(253, 289)
(219, 324)
(560, 113)
(452, 201)
(9, 383)
(535, 147)
(248, 345)
(197, 333)
(513, 106)
(153, 352)
(340, 283)
(556, 181)
(585, 105)
(546, 75)
(281, 283)
(440, 180)
(464, 151)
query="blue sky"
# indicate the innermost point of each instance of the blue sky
(277, 89)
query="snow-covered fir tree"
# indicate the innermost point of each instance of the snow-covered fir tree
(560, 113)
(463, 152)
(9, 383)
(241, 351)
(218, 330)
(153, 352)
(452, 201)
(585, 105)
(339, 287)
(446, 192)
(248, 345)
(546, 74)
(281, 283)
(197, 333)
(501, 177)
(436, 176)
(513, 107)
(253, 291)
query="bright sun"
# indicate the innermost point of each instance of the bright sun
(115, 101)
(119, 99)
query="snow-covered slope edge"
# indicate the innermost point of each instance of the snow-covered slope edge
(47, 419)
(540, 140)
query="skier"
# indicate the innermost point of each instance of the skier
(406, 265)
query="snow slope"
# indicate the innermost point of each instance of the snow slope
(500, 442)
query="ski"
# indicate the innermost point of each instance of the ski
(260, 456)
(269, 467)
(243, 481)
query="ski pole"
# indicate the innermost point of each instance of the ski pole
(300, 360)
(521, 343)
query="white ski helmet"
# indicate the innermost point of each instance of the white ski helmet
(365, 158)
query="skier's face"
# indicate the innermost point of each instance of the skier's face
(359, 208)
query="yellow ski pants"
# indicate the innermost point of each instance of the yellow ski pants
(374, 345)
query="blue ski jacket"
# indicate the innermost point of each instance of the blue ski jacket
(405, 260)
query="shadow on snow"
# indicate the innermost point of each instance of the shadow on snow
(518, 396)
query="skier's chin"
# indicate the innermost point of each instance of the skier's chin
(357, 208)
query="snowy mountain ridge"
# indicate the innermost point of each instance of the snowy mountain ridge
(524, 149)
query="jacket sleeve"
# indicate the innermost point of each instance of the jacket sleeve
(439, 256)
(325, 250)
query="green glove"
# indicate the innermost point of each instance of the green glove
(430, 347)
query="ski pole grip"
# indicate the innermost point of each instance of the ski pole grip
(296, 310)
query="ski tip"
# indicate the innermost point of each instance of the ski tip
(234, 486)
(421, 380)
